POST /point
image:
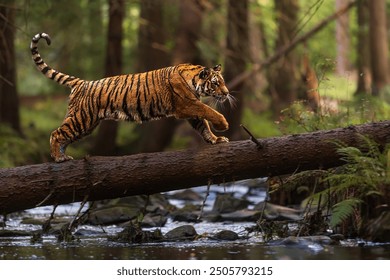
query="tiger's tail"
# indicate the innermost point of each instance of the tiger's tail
(61, 78)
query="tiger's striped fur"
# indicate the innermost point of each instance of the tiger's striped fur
(171, 91)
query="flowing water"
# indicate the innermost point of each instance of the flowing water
(92, 243)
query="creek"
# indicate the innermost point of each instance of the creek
(92, 242)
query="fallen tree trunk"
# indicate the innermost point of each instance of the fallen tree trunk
(97, 178)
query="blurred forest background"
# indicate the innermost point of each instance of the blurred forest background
(292, 65)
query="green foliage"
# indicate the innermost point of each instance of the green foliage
(364, 176)
(16, 150)
(344, 210)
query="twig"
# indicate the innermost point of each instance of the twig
(204, 200)
(252, 138)
(46, 198)
(265, 203)
(78, 212)
(47, 224)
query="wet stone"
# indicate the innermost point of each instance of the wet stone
(185, 216)
(112, 215)
(133, 233)
(152, 220)
(187, 195)
(337, 236)
(226, 235)
(226, 203)
(186, 232)
(379, 228)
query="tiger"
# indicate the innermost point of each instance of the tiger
(173, 91)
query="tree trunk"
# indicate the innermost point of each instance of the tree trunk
(237, 45)
(153, 136)
(98, 178)
(379, 46)
(106, 136)
(188, 33)
(363, 49)
(9, 103)
(342, 40)
(284, 76)
(284, 50)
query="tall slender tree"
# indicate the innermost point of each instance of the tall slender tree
(9, 103)
(188, 33)
(153, 136)
(379, 46)
(284, 76)
(342, 40)
(363, 49)
(105, 140)
(237, 57)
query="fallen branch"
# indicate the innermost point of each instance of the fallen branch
(110, 177)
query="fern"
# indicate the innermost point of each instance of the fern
(366, 174)
(343, 210)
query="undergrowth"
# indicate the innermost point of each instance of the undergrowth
(345, 198)
(359, 187)
(348, 197)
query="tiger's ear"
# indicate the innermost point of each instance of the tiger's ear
(204, 73)
(217, 68)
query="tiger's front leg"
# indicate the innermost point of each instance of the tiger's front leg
(203, 127)
(58, 145)
(199, 110)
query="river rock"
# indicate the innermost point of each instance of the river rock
(187, 195)
(153, 220)
(225, 203)
(226, 235)
(186, 232)
(112, 215)
(133, 233)
(189, 213)
(379, 229)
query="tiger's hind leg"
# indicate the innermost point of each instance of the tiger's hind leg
(70, 131)
(203, 127)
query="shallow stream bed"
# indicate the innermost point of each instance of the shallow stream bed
(93, 242)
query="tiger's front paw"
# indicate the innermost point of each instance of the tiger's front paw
(62, 158)
(221, 139)
(221, 126)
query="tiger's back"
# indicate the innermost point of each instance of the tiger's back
(171, 91)
(134, 97)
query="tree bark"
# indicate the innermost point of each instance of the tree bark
(98, 178)
(284, 50)
(237, 56)
(153, 136)
(106, 137)
(363, 62)
(342, 40)
(9, 102)
(284, 76)
(379, 46)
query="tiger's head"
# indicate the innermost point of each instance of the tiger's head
(211, 83)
